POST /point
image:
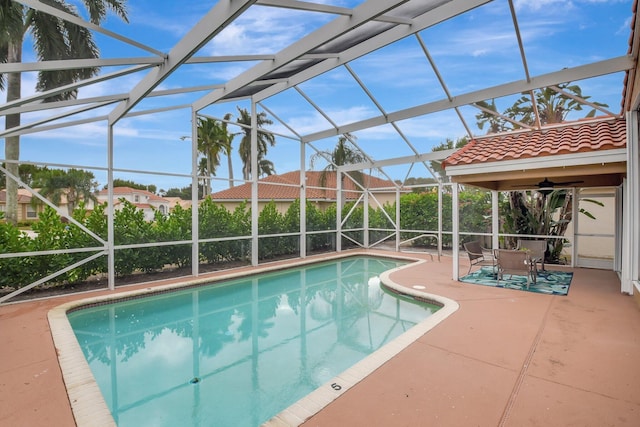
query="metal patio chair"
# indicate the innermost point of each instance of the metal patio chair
(516, 262)
(536, 248)
(478, 255)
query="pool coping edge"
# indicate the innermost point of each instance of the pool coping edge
(87, 402)
(314, 402)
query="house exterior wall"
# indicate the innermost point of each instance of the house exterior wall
(595, 251)
(26, 211)
(283, 205)
(148, 202)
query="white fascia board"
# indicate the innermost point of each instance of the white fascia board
(545, 162)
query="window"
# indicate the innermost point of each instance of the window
(136, 198)
(31, 212)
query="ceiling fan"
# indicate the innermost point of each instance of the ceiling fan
(546, 186)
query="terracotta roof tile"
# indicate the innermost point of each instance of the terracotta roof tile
(291, 190)
(578, 137)
(120, 191)
(24, 196)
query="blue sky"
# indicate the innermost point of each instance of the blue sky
(471, 51)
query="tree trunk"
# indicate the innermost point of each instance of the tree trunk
(12, 143)
(230, 165)
(208, 182)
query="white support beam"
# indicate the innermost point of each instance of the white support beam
(609, 66)
(16, 130)
(28, 108)
(255, 241)
(495, 220)
(111, 253)
(92, 120)
(72, 86)
(435, 155)
(339, 26)
(455, 219)
(303, 201)
(71, 64)
(432, 17)
(324, 8)
(219, 17)
(195, 237)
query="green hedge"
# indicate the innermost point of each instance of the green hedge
(418, 211)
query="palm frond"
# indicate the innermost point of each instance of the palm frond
(56, 39)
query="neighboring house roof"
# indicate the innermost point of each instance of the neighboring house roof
(174, 201)
(578, 137)
(24, 196)
(126, 191)
(290, 187)
(587, 153)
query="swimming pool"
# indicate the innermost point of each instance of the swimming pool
(239, 353)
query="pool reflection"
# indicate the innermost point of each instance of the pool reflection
(238, 354)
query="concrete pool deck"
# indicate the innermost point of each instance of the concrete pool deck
(505, 357)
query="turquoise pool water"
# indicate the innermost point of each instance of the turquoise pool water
(238, 353)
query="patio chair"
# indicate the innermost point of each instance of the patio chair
(536, 248)
(516, 262)
(478, 255)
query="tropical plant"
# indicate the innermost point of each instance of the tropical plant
(265, 139)
(553, 106)
(117, 182)
(489, 116)
(344, 153)
(54, 39)
(184, 192)
(207, 137)
(448, 144)
(75, 184)
(532, 213)
(26, 172)
(226, 144)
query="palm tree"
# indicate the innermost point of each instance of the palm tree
(344, 153)
(265, 140)
(77, 184)
(54, 39)
(208, 136)
(214, 138)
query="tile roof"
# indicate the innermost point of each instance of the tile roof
(24, 196)
(579, 137)
(290, 190)
(123, 191)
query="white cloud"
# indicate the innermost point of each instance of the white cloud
(263, 30)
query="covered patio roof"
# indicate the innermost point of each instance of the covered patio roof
(580, 154)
